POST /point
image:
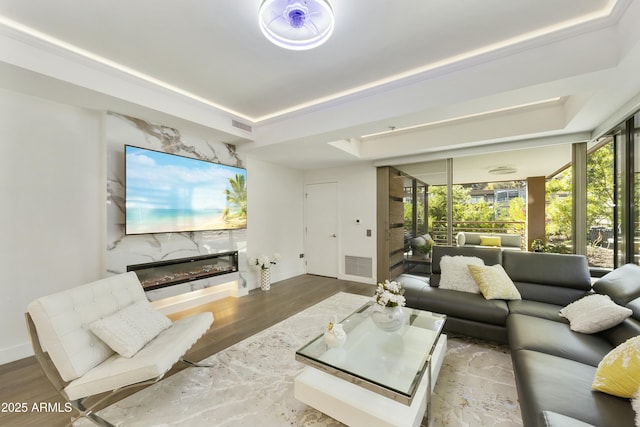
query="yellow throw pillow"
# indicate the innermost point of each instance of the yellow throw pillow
(494, 282)
(490, 241)
(618, 373)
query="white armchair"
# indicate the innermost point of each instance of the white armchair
(81, 365)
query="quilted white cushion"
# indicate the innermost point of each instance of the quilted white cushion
(62, 320)
(154, 360)
(594, 313)
(455, 273)
(131, 328)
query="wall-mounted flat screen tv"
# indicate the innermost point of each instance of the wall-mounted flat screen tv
(167, 193)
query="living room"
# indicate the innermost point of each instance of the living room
(66, 108)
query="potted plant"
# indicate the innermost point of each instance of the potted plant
(388, 314)
(264, 263)
(425, 250)
(537, 245)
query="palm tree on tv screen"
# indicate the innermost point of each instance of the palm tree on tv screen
(236, 198)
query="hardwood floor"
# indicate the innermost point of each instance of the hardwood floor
(24, 387)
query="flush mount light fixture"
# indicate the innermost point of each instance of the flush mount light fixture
(296, 25)
(503, 170)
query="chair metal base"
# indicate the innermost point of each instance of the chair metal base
(98, 420)
(196, 365)
(88, 414)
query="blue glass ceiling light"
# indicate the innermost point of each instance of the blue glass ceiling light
(298, 24)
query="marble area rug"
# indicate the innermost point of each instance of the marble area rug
(252, 383)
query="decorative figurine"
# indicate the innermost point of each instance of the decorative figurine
(334, 335)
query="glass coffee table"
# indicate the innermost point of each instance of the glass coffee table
(376, 377)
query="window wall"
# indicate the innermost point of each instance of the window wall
(610, 228)
(559, 212)
(409, 208)
(601, 201)
(494, 207)
(627, 186)
(415, 207)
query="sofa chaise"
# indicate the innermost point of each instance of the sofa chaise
(554, 365)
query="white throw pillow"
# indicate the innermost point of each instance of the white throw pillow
(460, 239)
(594, 313)
(455, 273)
(131, 328)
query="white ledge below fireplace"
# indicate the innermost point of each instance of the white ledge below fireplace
(184, 301)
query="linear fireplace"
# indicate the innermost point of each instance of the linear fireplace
(160, 274)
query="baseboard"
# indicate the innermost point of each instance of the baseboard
(16, 352)
(359, 279)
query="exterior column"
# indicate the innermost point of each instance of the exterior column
(579, 185)
(536, 201)
(449, 202)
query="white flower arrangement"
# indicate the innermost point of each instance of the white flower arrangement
(264, 262)
(390, 294)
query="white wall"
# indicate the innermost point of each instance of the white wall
(53, 216)
(357, 200)
(274, 218)
(276, 215)
(52, 187)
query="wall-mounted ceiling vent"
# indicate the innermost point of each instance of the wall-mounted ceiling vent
(245, 127)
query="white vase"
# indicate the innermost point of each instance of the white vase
(388, 319)
(265, 279)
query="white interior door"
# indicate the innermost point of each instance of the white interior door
(321, 229)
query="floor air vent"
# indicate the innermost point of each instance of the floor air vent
(358, 266)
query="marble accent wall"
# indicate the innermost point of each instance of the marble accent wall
(123, 250)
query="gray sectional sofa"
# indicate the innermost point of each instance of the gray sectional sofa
(554, 366)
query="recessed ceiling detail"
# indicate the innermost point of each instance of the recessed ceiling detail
(465, 117)
(237, 74)
(480, 85)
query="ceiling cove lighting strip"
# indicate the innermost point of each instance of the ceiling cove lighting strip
(20, 28)
(605, 12)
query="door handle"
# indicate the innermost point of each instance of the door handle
(332, 235)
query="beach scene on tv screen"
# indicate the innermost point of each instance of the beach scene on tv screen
(170, 193)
